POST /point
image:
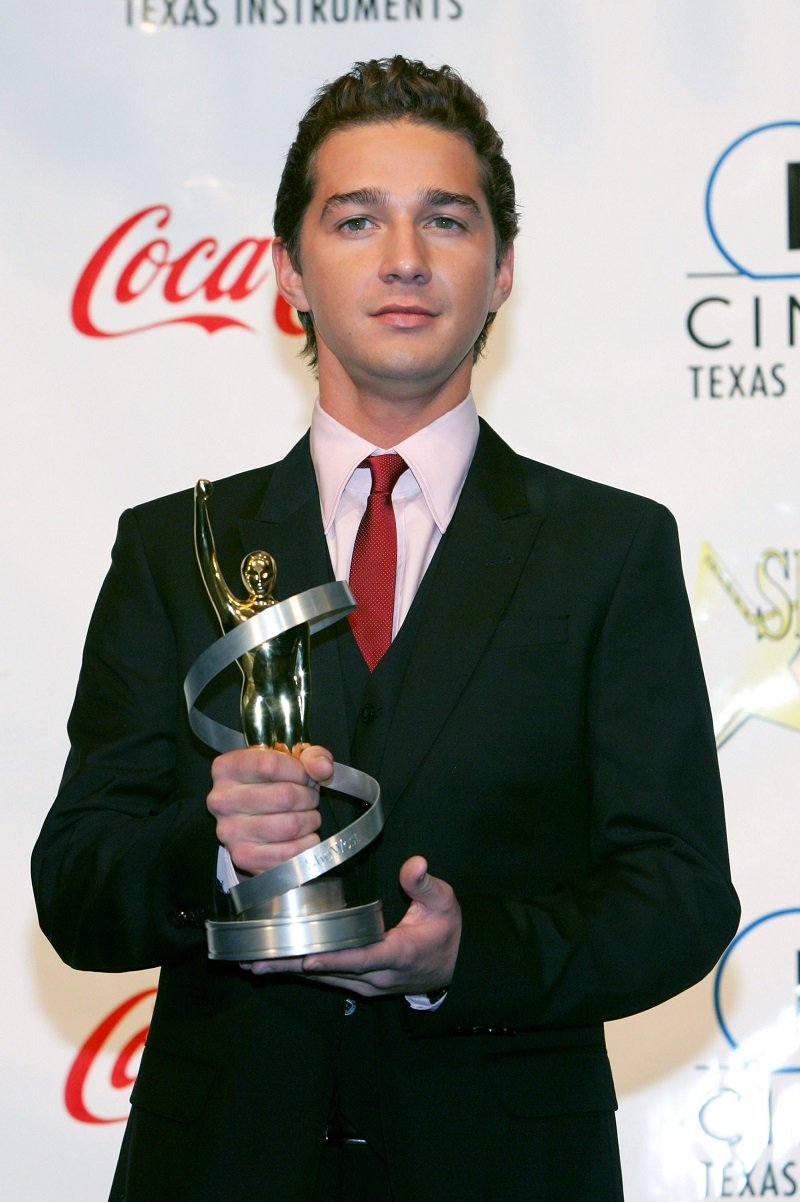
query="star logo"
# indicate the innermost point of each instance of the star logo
(752, 671)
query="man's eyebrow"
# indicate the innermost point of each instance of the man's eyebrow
(359, 196)
(439, 196)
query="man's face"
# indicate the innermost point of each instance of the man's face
(397, 263)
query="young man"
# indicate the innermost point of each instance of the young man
(554, 850)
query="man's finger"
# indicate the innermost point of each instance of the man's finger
(256, 765)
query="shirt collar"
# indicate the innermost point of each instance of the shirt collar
(438, 455)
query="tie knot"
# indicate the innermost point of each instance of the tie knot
(386, 471)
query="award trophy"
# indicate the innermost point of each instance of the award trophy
(287, 910)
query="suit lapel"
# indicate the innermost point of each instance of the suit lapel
(288, 525)
(476, 571)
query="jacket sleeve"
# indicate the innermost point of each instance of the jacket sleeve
(656, 908)
(124, 867)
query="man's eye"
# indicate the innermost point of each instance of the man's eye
(354, 225)
(442, 222)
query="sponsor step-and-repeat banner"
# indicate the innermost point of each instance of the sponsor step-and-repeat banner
(651, 342)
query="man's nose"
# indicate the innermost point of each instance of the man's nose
(405, 255)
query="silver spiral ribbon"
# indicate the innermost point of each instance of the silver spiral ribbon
(317, 607)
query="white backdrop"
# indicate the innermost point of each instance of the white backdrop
(650, 343)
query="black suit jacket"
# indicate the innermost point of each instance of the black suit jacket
(549, 751)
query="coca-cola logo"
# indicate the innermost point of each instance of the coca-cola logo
(108, 1062)
(136, 281)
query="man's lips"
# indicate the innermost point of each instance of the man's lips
(404, 316)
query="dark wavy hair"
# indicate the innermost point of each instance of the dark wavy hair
(389, 89)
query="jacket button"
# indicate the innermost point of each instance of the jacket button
(192, 918)
(368, 712)
(349, 1006)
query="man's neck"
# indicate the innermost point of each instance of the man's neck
(386, 420)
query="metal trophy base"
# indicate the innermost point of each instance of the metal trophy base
(300, 922)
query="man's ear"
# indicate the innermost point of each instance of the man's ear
(503, 279)
(288, 278)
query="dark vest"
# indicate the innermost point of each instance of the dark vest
(369, 699)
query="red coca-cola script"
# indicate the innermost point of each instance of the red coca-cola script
(133, 269)
(90, 1056)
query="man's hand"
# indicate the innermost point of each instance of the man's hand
(416, 956)
(266, 803)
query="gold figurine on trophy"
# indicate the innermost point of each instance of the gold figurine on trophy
(276, 685)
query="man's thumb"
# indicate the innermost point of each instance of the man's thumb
(415, 879)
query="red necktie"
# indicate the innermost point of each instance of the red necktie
(374, 562)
